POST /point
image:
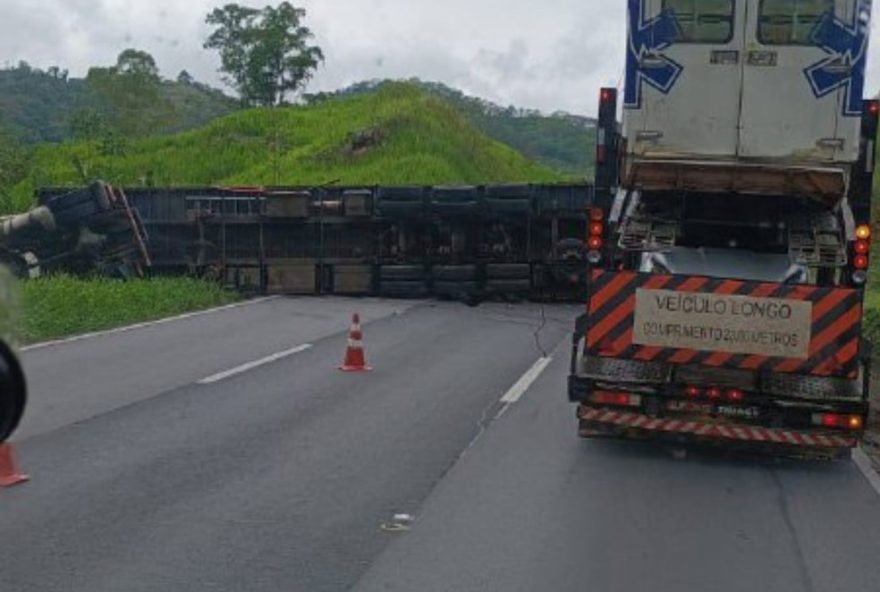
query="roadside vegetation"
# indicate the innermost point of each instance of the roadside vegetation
(59, 306)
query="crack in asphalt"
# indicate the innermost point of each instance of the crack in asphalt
(803, 569)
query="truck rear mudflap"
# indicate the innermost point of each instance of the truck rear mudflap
(746, 325)
(606, 422)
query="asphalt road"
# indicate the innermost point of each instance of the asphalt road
(288, 475)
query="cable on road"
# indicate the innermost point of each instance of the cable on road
(537, 333)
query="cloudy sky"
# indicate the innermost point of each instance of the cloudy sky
(545, 54)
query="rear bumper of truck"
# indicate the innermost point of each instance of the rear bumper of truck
(599, 421)
(695, 358)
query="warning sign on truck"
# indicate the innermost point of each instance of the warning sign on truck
(724, 323)
(721, 322)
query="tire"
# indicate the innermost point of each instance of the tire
(404, 202)
(509, 191)
(509, 286)
(454, 273)
(76, 213)
(402, 273)
(402, 289)
(400, 209)
(463, 291)
(508, 271)
(509, 206)
(573, 247)
(13, 392)
(568, 276)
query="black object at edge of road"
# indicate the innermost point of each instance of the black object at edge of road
(13, 392)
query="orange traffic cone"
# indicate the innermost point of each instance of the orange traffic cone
(9, 474)
(354, 354)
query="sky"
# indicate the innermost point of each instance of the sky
(541, 54)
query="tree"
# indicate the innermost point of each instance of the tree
(265, 53)
(185, 78)
(88, 124)
(131, 91)
(13, 168)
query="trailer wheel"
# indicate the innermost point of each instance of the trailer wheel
(454, 273)
(402, 272)
(508, 271)
(462, 291)
(403, 289)
(521, 287)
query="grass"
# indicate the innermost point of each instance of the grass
(59, 306)
(411, 137)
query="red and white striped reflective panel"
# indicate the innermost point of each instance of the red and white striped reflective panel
(710, 430)
(830, 332)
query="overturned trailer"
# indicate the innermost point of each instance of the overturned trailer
(461, 242)
(87, 230)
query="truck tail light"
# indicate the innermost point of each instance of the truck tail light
(596, 231)
(713, 394)
(693, 392)
(835, 420)
(617, 399)
(735, 395)
(861, 254)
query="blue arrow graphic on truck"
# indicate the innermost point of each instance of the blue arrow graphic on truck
(647, 37)
(847, 49)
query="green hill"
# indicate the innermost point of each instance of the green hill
(560, 140)
(397, 134)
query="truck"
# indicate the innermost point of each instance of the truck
(730, 240)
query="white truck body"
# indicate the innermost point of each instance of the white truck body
(746, 81)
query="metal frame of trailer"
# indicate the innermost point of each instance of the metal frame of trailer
(458, 242)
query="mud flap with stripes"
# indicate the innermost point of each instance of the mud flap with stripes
(794, 329)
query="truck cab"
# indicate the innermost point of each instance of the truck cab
(729, 258)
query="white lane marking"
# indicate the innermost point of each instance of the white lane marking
(127, 328)
(522, 385)
(255, 364)
(864, 464)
